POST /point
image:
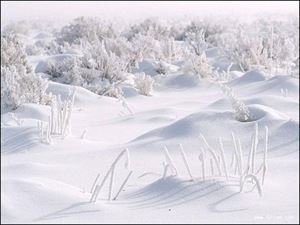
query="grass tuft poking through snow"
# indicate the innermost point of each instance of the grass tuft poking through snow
(111, 173)
(184, 157)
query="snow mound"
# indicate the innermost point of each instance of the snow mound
(30, 169)
(262, 112)
(248, 77)
(181, 81)
(212, 124)
(220, 104)
(278, 103)
(272, 86)
(146, 66)
(285, 82)
(129, 92)
(174, 191)
(33, 111)
(82, 96)
(40, 195)
(19, 139)
(291, 128)
(191, 126)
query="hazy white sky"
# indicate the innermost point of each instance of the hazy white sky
(66, 10)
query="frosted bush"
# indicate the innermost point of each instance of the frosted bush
(58, 69)
(246, 50)
(33, 50)
(144, 83)
(295, 68)
(20, 27)
(119, 46)
(109, 64)
(147, 46)
(196, 41)
(20, 87)
(105, 88)
(13, 52)
(18, 84)
(262, 44)
(90, 29)
(149, 27)
(97, 70)
(161, 67)
(241, 111)
(199, 66)
(168, 49)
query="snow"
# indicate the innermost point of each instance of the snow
(51, 183)
(248, 77)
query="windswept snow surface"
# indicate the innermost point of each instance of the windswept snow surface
(44, 183)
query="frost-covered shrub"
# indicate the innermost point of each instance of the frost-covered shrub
(119, 46)
(58, 69)
(13, 52)
(109, 65)
(144, 83)
(20, 27)
(246, 50)
(90, 29)
(262, 44)
(97, 70)
(295, 68)
(52, 47)
(213, 29)
(161, 67)
(199, 66)
(195, 38)
(285, 55)
(146, 46)
(33, 50)
(20, 87)
(241, 111)
(170, 51)
(149, 27)
(18, 84)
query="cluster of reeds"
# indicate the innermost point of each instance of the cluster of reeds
(59, 121)
(97, 187)
(214, 163)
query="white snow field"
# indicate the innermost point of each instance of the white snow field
(151, 122)
(44, 183)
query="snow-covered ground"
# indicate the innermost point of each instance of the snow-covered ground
(185, 151)
(44, 183)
